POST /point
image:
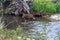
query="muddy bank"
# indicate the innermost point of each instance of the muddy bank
(46, 16)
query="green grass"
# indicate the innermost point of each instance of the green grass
(58, 7)
(45, 7)
(14, 34)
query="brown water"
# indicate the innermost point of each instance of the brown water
(34, 26)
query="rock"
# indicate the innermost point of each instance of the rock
(55, 17)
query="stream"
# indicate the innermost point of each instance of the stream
(51, 29)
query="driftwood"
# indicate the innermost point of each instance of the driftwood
(19, 5)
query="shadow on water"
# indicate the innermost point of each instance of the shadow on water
(32, 27)
(14, 21)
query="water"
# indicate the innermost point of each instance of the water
(52, 28)
(45, 27)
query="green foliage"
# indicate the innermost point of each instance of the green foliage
(2, 1)
(58, 7)
(14, 34)
(10, 33)
(7, 10)
(43, 6)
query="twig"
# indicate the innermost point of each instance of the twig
(9, 23)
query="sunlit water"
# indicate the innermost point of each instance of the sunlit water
(52, 29)
(39, 26)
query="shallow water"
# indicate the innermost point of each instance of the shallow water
(51, 29)
(39, 26)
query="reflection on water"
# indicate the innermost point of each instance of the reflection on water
(43, 26)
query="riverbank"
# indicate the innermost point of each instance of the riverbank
(47, 16)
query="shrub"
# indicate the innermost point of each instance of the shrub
(58, 7)
(43, 6)
(8, 34)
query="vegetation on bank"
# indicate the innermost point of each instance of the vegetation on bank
(14, 34)
(58, 7)
(46, 6)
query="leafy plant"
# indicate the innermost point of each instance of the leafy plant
(14, 34)
(43, 6)
(58, 7)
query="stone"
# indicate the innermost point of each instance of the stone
(55, 17)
